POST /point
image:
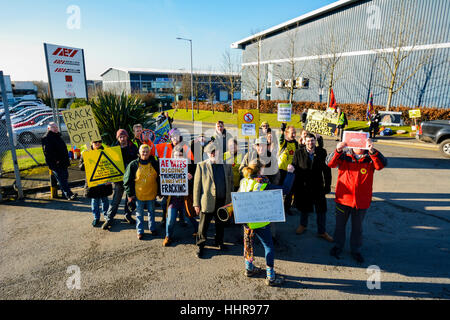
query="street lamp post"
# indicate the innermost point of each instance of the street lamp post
(192, 78)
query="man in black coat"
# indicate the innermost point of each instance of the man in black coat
(312, 183)
(57, 158)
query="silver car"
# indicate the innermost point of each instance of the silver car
(33, 134)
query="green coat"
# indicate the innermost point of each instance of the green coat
(130, 176)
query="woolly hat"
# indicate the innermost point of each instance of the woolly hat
(121, 132)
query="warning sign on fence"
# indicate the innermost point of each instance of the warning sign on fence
(103, 166)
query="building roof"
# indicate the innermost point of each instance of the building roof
(313, 14)
(168, 71)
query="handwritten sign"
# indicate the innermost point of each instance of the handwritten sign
(81, 125)
(355, 139)
(260, 206)
(321, 122)
(103, 166)
(414, 113)
(174, 180)
(284, 112)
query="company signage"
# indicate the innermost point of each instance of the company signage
(66, 71)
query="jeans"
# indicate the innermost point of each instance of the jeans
(140, 207)
(62, 176)
(357, 216)
(115, 203)
(172, 218)
(265, 236)
(95, 205)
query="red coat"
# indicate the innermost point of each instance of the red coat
(355, 177)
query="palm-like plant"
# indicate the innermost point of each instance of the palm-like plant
(113, 112)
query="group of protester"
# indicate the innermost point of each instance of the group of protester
(300, 167)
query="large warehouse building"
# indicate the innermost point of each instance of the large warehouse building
(166, 84)
(396, 49)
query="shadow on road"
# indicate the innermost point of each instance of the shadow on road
(418, 163)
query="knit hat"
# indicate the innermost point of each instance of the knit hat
(121, 132)
(174, 132)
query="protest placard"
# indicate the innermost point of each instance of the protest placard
(321, 122)
(414, 113)
(173, 175)
(355, 139)
(284, 112)
(261, 206)
(81, 125)
(390, 118)
(103, 166)
(162, 132)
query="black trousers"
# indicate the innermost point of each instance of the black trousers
(343, 213)
(205, 221)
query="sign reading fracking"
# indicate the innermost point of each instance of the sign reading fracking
(81, 125)
(321, 122)
(103, 166)
(174, 180)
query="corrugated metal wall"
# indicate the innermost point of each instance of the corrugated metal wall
(354, 29)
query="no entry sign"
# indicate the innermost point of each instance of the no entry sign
(248, 122)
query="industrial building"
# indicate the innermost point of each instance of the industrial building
(166, 84)
(396, 49)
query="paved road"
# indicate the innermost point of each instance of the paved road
(406, 236)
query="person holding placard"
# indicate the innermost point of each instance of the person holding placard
(342, 123)
(98, 194)
(312, 184)
(254, 180)
(286, 149)
(141, 182)
(356, 168)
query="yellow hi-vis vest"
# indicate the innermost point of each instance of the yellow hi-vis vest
(249, 185)
(234, 161)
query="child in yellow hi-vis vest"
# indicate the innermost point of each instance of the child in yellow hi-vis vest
(254, 181)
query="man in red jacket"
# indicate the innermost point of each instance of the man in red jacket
(353, 192)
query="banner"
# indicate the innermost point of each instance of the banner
(248, 123)
(81, 125)
(66, 71)
(103, 166)
(355, 139)
(284, 112)
(390, 118)
(162, 132)
(321, 122)
(173, 175)
(261, 206)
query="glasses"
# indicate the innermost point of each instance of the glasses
(97, 142)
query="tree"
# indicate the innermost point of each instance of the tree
(231, 67)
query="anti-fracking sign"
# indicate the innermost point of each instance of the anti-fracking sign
(103, 166)
(321, 122)
(81, 125)
(66, 71)
(173, 174)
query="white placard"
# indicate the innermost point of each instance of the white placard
(66, 71)
(248, 129)
(284, 112)
(173, 175)
(259, 206)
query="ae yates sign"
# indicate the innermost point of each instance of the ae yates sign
(66, 71)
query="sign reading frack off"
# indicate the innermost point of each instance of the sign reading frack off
(248, 122)
(81, 125)
(103, 166)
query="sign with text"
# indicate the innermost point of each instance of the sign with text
(284, 112)
(321, 122)
(103, 166)
(248, 122)
(414, 113)
(174, 177)
(390, 118)
(66, 71)
(260, 206)
(81, 125)
(355, 139)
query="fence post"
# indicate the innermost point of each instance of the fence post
(10, 135)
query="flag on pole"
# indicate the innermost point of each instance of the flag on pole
(333, 103)
(370, 108)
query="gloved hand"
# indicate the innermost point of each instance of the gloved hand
(327, 189)
(283, 126)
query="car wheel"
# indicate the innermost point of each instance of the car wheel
(27, 138)
(444, 147)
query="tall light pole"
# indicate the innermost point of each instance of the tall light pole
(192, 78)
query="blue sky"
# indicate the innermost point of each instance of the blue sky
(135, 34)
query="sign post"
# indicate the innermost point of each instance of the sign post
(248, 123)
(414, 114)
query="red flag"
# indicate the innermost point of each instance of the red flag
(333, 103)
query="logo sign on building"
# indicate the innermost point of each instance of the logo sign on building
(284, 112)
(66, 71)
(355, 139)
(390, 118)
(248, 121)
(414, 113)
(81, 125)
(262, 206)
(321, 122)
(103, 166)
(173, 174)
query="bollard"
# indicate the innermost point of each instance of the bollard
(53, 186)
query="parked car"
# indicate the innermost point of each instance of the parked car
(27, 113)
(33, 120)
(438, 132)
(33, 134)
(17, 108)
